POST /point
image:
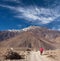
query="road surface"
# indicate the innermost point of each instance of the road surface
(35, 56)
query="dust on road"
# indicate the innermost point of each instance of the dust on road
(35, 56)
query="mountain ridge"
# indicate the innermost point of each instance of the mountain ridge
(33, 37)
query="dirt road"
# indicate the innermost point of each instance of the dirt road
(35, 56)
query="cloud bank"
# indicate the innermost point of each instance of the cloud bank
(43, 15)
(35, 14)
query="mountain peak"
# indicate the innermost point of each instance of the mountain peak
(31, 37)
(29, 28)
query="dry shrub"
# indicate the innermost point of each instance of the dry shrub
(28, 49)
(12, 55)
(51, 56)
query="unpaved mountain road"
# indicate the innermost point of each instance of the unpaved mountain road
(35, 56)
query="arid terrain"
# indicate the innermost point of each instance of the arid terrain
(26, 43)
(48, 55)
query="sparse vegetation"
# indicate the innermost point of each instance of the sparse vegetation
(21, 54)
(51, 56)
(13, 55)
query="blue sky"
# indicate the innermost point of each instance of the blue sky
(18, 14)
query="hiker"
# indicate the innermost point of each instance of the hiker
(41, 50)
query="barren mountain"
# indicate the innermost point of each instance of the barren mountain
(4, 35)
(32, 37)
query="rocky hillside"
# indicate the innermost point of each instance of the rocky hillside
(33, 37)
(4, 35)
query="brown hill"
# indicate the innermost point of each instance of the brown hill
(4, 35)
(34, 37)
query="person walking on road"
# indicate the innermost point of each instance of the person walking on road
(41, 50)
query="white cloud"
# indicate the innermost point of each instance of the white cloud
(7, 6)
(56, 27)
(19, 26)
(43, 15)
(14, 30)
(40, 14)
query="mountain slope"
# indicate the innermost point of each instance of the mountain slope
(34, 37)
(4, 35)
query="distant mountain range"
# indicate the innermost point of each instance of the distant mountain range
(31, 37)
